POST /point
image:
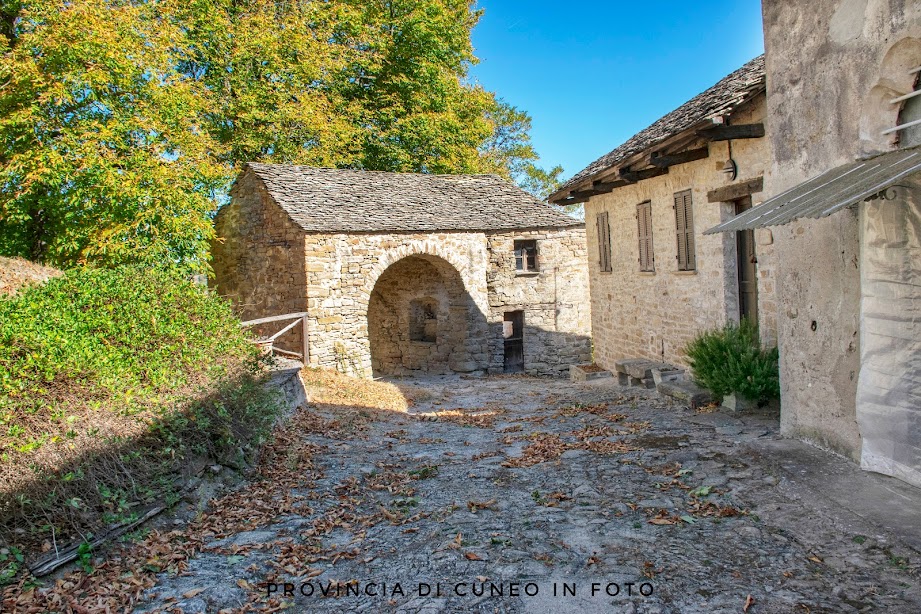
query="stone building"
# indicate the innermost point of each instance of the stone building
(844, 118)
(656, 280)
(402, 272)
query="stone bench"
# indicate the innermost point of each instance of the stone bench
(642, 372)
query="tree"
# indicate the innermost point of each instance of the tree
(511, 154)
(104, 154)
(122, 122)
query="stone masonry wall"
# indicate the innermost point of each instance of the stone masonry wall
(267, 265)
(426, 279)
(343, 270)
(555, 300)
(655, 314)
(258, 258)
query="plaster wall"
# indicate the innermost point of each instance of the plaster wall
(832, 67)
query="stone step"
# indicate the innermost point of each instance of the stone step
(689, 392)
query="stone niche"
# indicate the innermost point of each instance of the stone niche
(423, 320)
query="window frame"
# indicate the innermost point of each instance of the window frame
(647, 258)
(525, 251)
(603, 228)
(686, 254)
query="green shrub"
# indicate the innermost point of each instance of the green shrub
(111, 383)
(732, 360)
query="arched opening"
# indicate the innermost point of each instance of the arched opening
(419, 318)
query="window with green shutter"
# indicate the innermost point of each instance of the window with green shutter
(644, 232)
(604, 241)
(684, 228)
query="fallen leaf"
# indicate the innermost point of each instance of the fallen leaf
(815, 559)
(193, 593)
(749, 602)
(472, 556)
(244, 585)
(482, 579)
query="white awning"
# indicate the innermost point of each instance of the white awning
(833, 190)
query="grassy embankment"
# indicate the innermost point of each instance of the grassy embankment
(113, 384)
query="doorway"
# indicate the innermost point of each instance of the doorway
(747, 267)
(513, 334)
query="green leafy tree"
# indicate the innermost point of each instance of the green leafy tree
(510, 152)
(104, 153)
(123, 122)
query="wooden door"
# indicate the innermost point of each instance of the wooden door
(747, 267)
(513, 334)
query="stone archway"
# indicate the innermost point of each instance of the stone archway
(420, 318)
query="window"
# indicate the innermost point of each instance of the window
(423, 320)
(526, 256)
(604, 242)
(644, 232)
(909, 122)
(684, 227)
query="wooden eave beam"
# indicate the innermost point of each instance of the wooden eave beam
(727, 133)
(664, 161)
(647, 173)
(571, 200)
(598, 188)
(735, 191)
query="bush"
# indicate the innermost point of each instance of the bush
(111, 382)
(732, 360)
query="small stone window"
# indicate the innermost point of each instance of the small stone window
(423, 320)
(526, 256)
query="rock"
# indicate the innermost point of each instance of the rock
(688, 392)
(667, 374)
(734, 402)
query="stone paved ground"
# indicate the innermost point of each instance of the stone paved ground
(634, 494)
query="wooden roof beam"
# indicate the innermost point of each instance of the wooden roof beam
(727, 133)
(664, 161)
(633, 176)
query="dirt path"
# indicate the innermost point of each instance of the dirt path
(536, 489)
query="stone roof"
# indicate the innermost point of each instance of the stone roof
(345, 200)
(721, 99)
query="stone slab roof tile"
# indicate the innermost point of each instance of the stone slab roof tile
(732, 91)
(345, 200)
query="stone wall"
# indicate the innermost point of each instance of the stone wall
(258, 257)
(348, 274)
(358, 291)
(832, 67)
(402, 293)
(555, 299)
(654, 315)
(343, 270)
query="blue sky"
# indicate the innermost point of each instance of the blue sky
(592, 74)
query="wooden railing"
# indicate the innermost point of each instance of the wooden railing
(299, 318)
